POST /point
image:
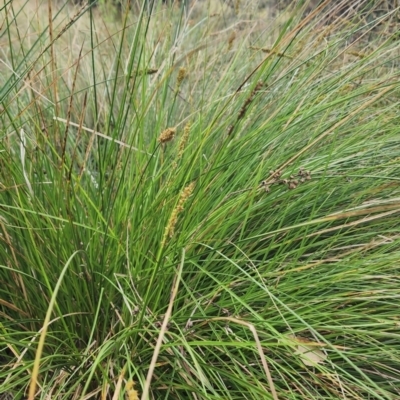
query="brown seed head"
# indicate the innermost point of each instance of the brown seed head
(183, 141)
(237, 7)
(130, 392)
(167, 135)
(148, 71)
(231, 39)
(182, 73)
(186, 192)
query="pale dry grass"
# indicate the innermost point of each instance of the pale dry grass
(55, 54)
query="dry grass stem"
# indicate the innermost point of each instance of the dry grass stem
(259, 349)
(118, 387)
(163, 329)
(99, 134)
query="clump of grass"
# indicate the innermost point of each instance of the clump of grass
(260, 264)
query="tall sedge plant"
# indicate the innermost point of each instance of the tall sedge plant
(178, 223)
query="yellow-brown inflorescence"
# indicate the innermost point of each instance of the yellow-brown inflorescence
(173, 219)
(148, 71)
(167, 135)
(184, 139)
(131, 393)
(181, 76)
(182, 144)
(237, 7)
(231, 39)
(246, 105)
(291, 183)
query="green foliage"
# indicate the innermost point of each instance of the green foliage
(227, 189)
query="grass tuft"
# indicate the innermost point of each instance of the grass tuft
(254, 256)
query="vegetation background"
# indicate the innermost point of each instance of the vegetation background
(199, 201)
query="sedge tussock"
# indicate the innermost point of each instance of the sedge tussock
(316, 258)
